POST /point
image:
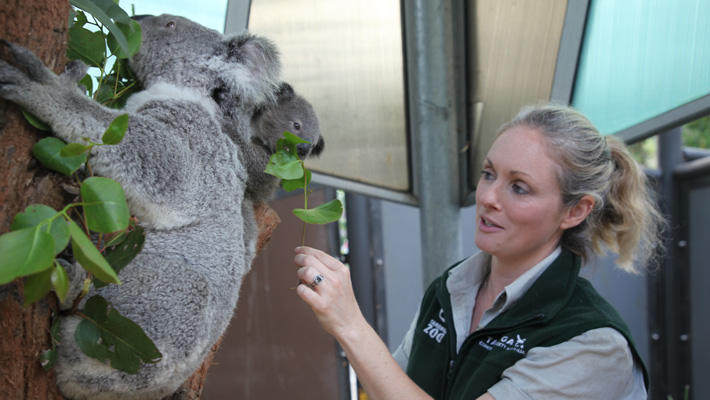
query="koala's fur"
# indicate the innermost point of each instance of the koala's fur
(191, 174)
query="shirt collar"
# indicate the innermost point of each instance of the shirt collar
(518, 287)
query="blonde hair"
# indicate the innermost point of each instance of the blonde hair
(626, 217)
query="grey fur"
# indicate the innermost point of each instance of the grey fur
(191, 176)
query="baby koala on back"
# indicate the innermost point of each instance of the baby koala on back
(289, 112)
(191, 174)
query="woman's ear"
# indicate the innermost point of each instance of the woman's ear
(577, 213)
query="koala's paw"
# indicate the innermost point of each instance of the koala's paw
(74, 71)
(30, 63)
(24, 83)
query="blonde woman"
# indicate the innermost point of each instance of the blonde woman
(515, 321)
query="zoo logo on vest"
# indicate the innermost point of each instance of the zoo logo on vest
(516, 344)
(436, 330)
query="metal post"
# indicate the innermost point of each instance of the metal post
(431, 37)
(668, 314)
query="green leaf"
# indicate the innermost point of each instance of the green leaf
(37, 286)
(119, 256)
(60, 281)
(25, 251)
(38, 213)
(34, 121)
(116, 130)
(89, 257)
(104, 204)
(73, 150)
(88, 82)
(87, 46)
(105, 334)
(290, 185)
(48, 152)
(291, 138)
(328, 212)
(133, 35)
(284, 163)
(49, 357)
(80, 18)
(106, 11)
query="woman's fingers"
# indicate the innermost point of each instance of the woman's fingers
(322, 257)
(310, 276)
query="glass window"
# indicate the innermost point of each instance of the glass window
(210, 13)
(641, 58)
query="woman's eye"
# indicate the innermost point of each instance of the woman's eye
(170, 24)
(486, 175)
(297, 126)
(519, 189)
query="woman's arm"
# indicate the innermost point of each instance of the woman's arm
(334, 304)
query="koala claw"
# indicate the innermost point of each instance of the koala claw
(31, 63)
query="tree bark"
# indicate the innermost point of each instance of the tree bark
(41, 26)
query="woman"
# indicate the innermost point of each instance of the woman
(515, 321)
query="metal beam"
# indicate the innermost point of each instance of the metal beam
(570, 49)
(678, 116)
(237, 18)
(434, 122)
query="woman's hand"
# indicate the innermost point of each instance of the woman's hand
(332, 299)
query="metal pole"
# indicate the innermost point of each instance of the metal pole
(433, 122)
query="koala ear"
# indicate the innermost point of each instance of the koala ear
(234, 45)
(285, 92)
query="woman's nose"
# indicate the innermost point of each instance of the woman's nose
(488, 195)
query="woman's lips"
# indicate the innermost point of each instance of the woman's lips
(488, 225)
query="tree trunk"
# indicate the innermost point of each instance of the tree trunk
(41, 26)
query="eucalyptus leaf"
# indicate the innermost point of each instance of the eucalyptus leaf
(323, 214)
(38, 213)
(48, 152)
(37, 286)
(79, 18)
(73, 150)
(116, 130)
(88, 82)
(133, 34)
(290, 185)
(291, 138)
(89, 257)
(119, 256)
(105, 11)
(105, 334)
(104, 204)
(25, 251)
(34, 121)
(86, 46)
(49, 357)
(283, 166)
(60, 281)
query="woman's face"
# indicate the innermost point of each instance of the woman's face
(519, 212)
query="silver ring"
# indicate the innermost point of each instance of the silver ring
(317, 280)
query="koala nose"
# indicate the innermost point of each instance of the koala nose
(304, 149)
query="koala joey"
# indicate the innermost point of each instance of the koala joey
(191, 171)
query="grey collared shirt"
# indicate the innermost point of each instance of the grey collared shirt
(563, 371)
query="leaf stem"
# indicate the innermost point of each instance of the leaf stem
(305, 199)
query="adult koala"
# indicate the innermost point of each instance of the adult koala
(185, 164)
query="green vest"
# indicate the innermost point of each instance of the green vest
(557, 307)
